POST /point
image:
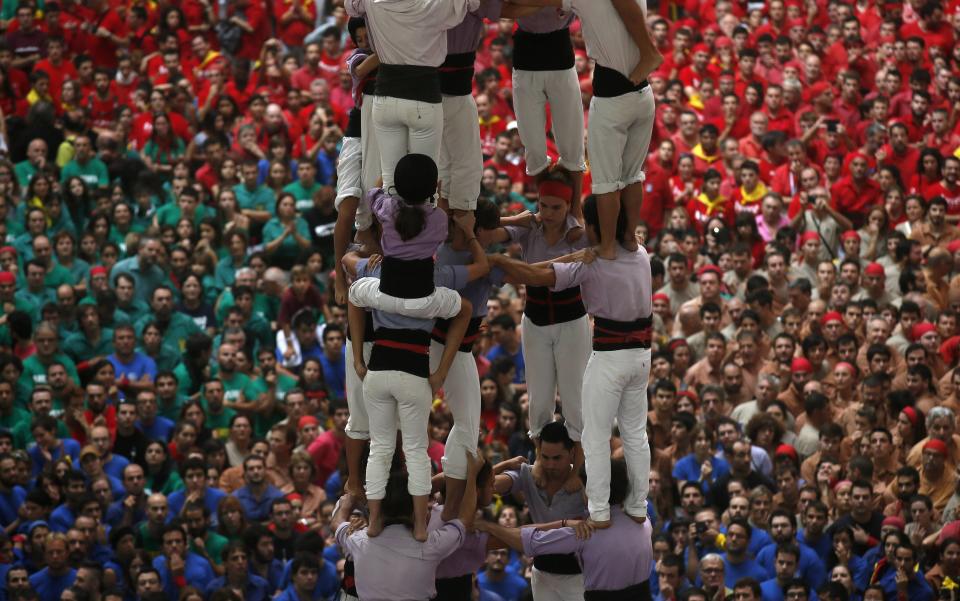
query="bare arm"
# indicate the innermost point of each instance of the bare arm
(357, 322)
(368, 65)
(510, 536)
(540, 274)
(458, 327)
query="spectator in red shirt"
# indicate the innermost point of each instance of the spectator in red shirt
(899, 153)
(855, 193)
(949, 187)
(251, 17)
(56, 67)
(325, 449)
(941, 138)
(294, 19)
(778, 117)
(491, 126)
(499, 162)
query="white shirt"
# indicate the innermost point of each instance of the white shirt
(411, 32)
(607, 39)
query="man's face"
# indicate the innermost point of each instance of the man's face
(148, 583)
(737, 539)
(162, 302)
(35, 276)
(254, 471)
(814, 521)
(55, 552)
(786, 566)
(712, 573)
(739, 508)
(740, 461)
(781, 530)
(174, 543)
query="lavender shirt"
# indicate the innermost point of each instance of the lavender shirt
(468, 558)
(621, 290)
(359, 55)
(546, 20)
(466, 36)
(625, 539)
(477, 291)
(411, 32)
(562, 506)
(535, 246)
(394, 566)
(424, 245)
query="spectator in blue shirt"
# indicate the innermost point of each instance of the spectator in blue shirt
(334, 362)
(11, 495)
(153, 426)
(194, 472)
(739, 563)
(65, 515)
(504, 332)
(497, 579)
(263, 560)
(50, 582)
(905, 581)
(177, 566)
(304, 577)
(787, 559)
(134, 371)
(258, 496)
(701, 465)
(237, 575)
(783, 528)
(48, 448)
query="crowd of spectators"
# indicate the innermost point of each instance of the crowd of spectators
(172, 369)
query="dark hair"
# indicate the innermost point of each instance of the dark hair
(415, 182)
(397, 504)
(591, 215)
(556, 432)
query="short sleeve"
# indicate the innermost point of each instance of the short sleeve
(569, 275)
(544, 542)
(518, 234)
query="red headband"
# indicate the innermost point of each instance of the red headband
(556, 190)
(911, 414)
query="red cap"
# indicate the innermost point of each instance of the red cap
(8, 249)
(700, 48)
(801, 365)
(796, 23)
(723, 42)
(911, 414)
(895, 521)
(846, 365)
(710, 269)
(818, 88)
(295, 496)
(807, 236)
(922, 328)
(936, 445)
(949, 349)
(954, 246)
(307, 420)
(849, 234)
(98, 270)
(787, 450)
(661, 296)
(7, 277)
(830, 316)
(874, 269)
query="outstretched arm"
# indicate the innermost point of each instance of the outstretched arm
(540, 274)
(509, 536)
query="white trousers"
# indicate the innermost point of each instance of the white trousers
(461, 162)
(350, 181)
(391, 396)
(443, 303)
(371, 151)
(462, 395)
(617, 385)
(618, 139)
(556, 357)
(532, 90)
(556, 587)
(358, 425)
(405, 127)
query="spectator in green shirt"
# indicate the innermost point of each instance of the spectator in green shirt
(35, 161)
(86, 165)
(287, 235)
(187, 206)
(176, 326)
(305, 187)
(256, 201)
(143, 268)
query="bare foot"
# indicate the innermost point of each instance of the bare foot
(356, 491)
(599, 525)
(632, 245)
(638, 519)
